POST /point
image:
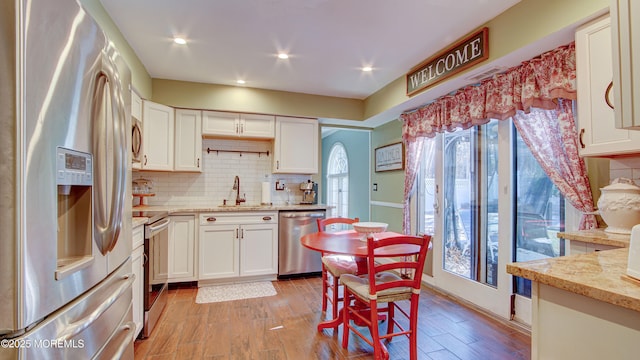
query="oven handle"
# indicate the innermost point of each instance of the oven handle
(156, 227)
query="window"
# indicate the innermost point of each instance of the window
(470, 212)
(338, 181)
(539, 210)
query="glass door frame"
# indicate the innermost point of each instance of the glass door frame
(497, 299)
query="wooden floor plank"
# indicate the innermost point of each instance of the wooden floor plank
(283, 327)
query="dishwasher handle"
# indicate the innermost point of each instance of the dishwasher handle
(315, 215)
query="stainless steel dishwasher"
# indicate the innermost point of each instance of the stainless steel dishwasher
(293, 258)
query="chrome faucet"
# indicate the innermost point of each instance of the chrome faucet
(236, 187)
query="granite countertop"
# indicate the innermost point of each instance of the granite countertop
(600, 275)
(597, 236)
(175, 209)
(139, 220)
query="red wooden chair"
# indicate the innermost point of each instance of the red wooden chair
(386, 283)
(333, 267)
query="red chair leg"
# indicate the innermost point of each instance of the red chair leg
(390, 314)
(345, 319)
(375, 334)
(334, 307)
(413, 326)
(324, 289)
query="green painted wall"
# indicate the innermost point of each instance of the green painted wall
(246, 99)
(390, 183)
(357, 146)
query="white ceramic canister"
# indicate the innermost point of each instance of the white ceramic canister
(619, 205)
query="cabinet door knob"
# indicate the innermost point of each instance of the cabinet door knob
(211, 219)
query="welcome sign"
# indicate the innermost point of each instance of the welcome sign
(469, 51)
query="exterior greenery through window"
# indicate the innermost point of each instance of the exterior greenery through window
(470, 196)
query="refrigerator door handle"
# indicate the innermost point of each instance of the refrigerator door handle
(77, 327)
(108, 91)
(119, 152)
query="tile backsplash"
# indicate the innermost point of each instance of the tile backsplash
(219, 169)
(627, 167)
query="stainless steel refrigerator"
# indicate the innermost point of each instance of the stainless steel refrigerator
(65, 272)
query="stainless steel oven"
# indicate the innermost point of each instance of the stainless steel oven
(156, 243)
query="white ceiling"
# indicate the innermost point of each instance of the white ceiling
(328, 41)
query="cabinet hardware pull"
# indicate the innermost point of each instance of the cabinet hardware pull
(606, 94)
(241, 233)
(211, 219)
(145, 160)
(237, 132)
(242, 128)
(266, 218)
(237, 234)
(580, 138)
(198, 163)
(277, 164)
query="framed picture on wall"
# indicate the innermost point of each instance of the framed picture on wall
(390, 157)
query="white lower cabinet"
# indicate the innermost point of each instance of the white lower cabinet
(179, 251)
(182, 236)
(238, 245)
(137, 263)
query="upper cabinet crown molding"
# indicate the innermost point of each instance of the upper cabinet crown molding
(625, 34)
(234, 125)
(598, 134)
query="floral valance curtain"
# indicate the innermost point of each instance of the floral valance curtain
(534, 85)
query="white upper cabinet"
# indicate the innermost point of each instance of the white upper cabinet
(296, 146)
(233, 125)
(158, 136)
(625, 28)
(598, 134)
(188, 140)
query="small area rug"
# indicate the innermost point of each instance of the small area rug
(228, 292)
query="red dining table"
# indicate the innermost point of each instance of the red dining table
(350, 243)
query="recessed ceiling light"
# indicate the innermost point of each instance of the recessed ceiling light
(367, 68)
(179, 40)
(283, 56)
(240, 81)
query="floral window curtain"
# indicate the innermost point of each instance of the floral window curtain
(539, 83)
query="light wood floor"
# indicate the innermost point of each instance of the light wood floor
(284, 327)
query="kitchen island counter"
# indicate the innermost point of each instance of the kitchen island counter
(582, 306)
(599, 275)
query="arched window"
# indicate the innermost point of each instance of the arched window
(338, 181)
